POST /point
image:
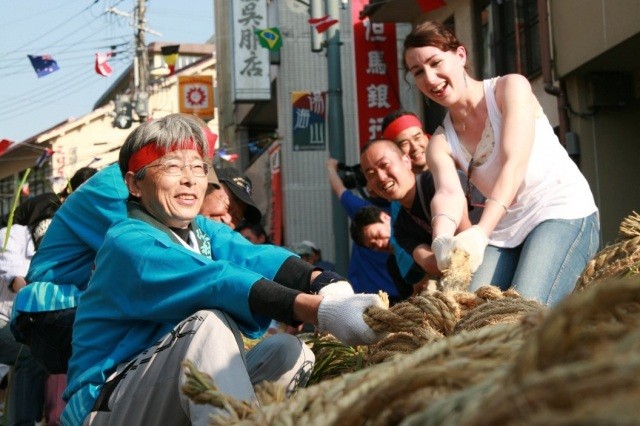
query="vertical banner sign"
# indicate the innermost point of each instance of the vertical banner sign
(195, 95)
(276, 195)
(376, 72)
(250, 61)
(309, 121)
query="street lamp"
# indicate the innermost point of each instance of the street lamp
(123, 118)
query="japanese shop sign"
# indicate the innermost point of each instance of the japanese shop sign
(196, 95)
(376, 72)
(250, 61)
(309, 121)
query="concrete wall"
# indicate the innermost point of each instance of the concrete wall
(595, 36)
(306, 191)
(584, 29)
(610, 149)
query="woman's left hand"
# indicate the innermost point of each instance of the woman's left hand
(472, 241)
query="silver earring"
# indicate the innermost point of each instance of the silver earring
(464, 75)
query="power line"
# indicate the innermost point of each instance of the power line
(86, 58)
(48, 97)
(17, 49)
(118, 39)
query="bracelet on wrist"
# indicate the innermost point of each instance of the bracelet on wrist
(499, 203)
(444, 215)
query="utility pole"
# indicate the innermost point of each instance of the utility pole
(335, 119)
(142, 64)
(140, 101)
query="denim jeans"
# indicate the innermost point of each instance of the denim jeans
(546, 266)
(26, 389)
(48, 335)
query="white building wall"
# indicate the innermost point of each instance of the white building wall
(307, 195)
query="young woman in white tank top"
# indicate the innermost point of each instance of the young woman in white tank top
(539, 226)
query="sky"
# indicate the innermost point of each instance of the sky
(72, 31)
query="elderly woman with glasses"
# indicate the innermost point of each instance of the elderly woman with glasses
(539, 226)
(170, 285)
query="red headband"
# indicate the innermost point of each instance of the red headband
(400, 124)
(152, 152)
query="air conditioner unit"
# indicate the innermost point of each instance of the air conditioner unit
(610, 89)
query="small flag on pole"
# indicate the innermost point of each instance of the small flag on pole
(4, 144)
(270, 38)
(170, 54)
(322, 24)
(102, 66)
(42, 158)
(43, 65)
(226, 156)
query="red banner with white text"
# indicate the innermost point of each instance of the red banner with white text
(376, 72)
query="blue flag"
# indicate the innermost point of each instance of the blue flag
(43, 65)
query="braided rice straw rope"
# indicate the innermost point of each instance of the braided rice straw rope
(432, 316)
(447, 362)
(580, 366)
(351, 399)
(432, 370)
(617, 260)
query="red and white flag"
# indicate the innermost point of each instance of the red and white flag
(102, 67)
(322, 24)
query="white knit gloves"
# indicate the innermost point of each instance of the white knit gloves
(441, 247)
(338, 288)
(473, 241)
(341, 315)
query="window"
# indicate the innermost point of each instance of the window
(508, 37)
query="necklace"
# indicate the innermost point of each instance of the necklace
(463, 121)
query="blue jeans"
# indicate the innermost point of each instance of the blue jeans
(26, 390)
(546, 266)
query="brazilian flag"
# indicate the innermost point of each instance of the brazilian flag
(270, 38)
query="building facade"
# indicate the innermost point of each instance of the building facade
(579, 55)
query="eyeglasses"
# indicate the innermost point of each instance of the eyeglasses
(176, 168)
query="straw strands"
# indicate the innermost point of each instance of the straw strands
(457, 358)
(617, 260)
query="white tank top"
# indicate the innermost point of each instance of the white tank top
(553, 186)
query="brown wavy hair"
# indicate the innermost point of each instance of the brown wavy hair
(430, 33)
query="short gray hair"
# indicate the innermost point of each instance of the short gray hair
(171, 132)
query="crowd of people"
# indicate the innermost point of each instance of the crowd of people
(163, 258)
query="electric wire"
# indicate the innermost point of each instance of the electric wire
(36, 103)
(75, 30)
(78, 73)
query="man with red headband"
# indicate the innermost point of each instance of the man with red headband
(170, 285)
(388, 172)
(405, 129)
(60, 270)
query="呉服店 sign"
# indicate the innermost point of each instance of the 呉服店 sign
(250, 61)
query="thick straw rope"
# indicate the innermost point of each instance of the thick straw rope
(586, 351)
(534, 367)
(617, 260)
(346, 400)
